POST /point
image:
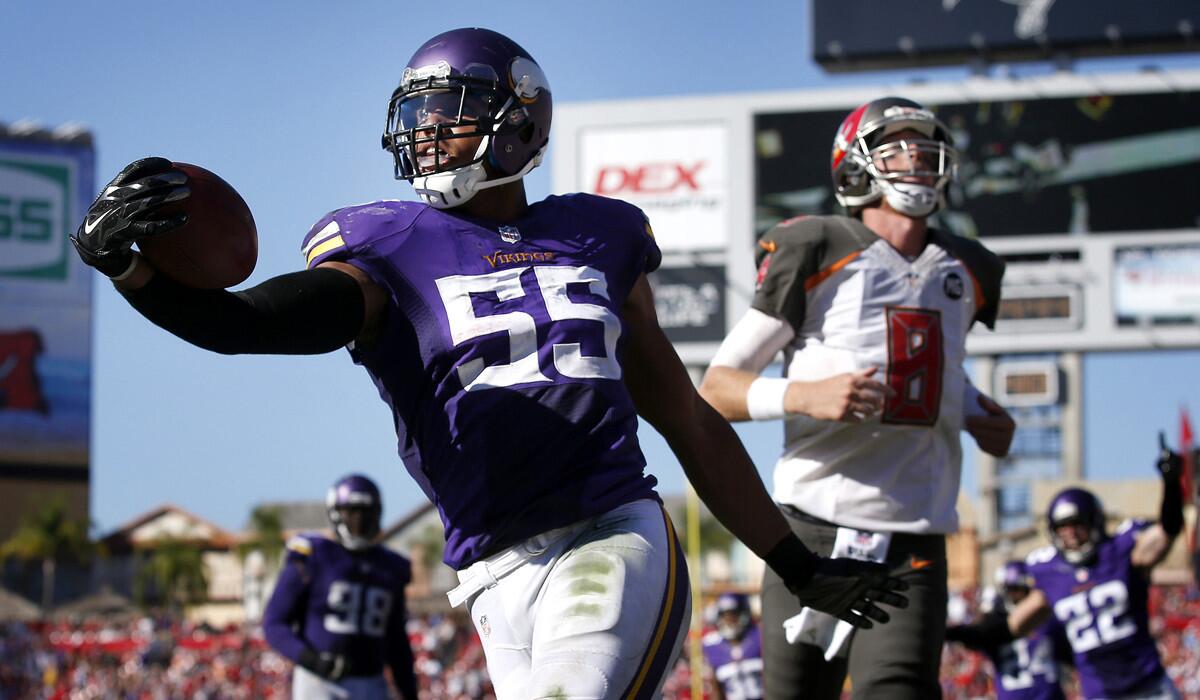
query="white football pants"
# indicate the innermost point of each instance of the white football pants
(596, 610)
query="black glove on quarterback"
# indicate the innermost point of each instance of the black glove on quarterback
(128, 209)
(845, 588)
(325, 664)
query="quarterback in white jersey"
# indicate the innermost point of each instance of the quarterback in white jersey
(836, 298)
(871, 312)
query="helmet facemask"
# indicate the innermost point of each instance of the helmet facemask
(432, 109)
(355, 526)
(1085, 549)
(354, 510)
(910, 173)
(900, 168)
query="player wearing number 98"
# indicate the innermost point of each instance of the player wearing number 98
(871, 313)
(337, 610)
(515, 345)
(1097, 586)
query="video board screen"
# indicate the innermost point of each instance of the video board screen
(1080, 165)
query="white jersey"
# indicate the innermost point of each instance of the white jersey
(847, 300)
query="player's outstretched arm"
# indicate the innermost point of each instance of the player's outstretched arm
(308, 312)
(733, 385)
(988, 633)
(1029, 614)
(1153, 543)
(723, 475)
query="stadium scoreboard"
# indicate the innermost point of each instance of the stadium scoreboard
(1085, 184)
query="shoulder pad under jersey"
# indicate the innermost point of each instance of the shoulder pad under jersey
(796, 255)
(712, 639)
(299, 545)
(986, 268)
(627, 219)
(1041, 555)
(337, 234)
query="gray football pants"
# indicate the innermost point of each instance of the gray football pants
(895, 661)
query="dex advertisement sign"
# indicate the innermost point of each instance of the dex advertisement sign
(677, 175)
(45, 307)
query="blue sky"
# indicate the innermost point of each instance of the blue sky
(286, 100)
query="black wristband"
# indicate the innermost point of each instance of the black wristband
(301, 313)
(794, 562)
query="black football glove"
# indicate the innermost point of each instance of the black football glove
(127, 210)
(325, 664)
(1170, 463)
(845, 588)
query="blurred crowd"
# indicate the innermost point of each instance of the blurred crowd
(158, 658)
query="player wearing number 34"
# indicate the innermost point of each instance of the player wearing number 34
(871, 313)
(338, 606)
(516, 345)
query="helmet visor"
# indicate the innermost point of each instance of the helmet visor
(428, 129)
(358, 520)
(452, 106)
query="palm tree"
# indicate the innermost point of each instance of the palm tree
(266, 524)
(175, 572)
(48, 534)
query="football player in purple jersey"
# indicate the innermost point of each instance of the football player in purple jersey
(734, 650)
(337, 610)
(1025, 668)
(1096, 586)
(515, 344)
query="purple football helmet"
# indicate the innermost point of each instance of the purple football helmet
(1013, 580)
(733, 615)
(468, 83)
(1076, 506)
(354, 493)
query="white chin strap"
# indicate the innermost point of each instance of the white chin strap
(455, 187)
(909, 198)
(1078, 556)
(352, 542)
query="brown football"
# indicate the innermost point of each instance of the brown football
(217, 247)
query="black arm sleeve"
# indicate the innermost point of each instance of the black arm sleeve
(300, 313)
(1170, 513)
(989, 633)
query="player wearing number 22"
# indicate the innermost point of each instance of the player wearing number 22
(871, 313)
(338, 606)
(1096, 586)
(516, 345)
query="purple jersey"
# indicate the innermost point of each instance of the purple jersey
(1026, 668)
(331, 599)
(1102, 607)
(738, 667)
(500, 357)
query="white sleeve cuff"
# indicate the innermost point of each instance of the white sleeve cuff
(765, 399)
